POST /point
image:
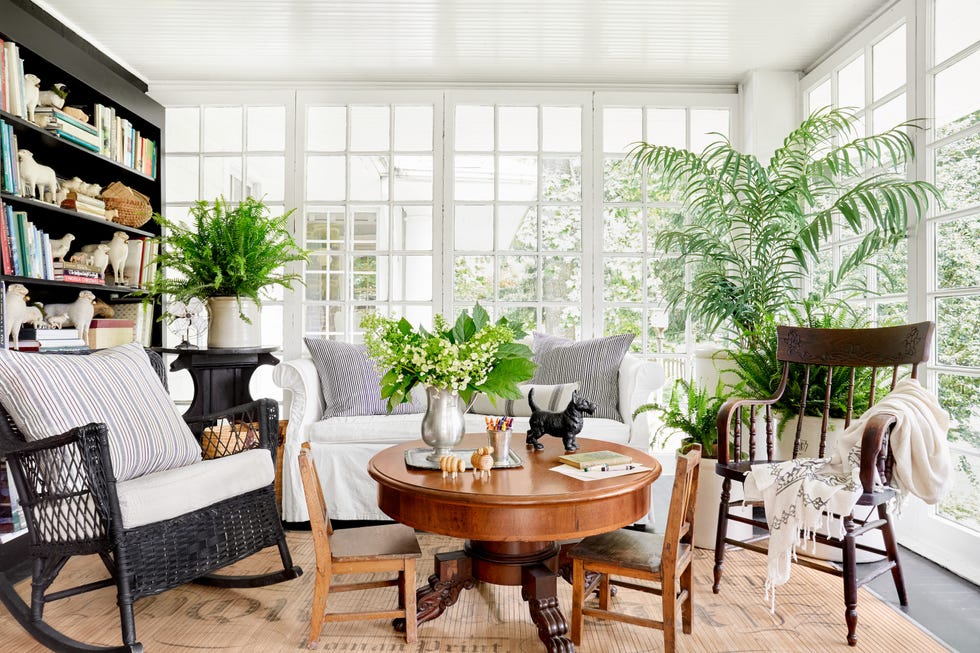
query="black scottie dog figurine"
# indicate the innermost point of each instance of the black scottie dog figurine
(565, 425)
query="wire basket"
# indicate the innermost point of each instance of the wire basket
(132, 207)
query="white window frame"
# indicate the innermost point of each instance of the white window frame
(919, 528)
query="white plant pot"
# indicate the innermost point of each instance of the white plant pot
(706, 512)
(227, 329)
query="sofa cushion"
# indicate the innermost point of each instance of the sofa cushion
(350, 382)
(174, 492)
(387, 430)
(50, 394)
(593, 364)
(546, 397)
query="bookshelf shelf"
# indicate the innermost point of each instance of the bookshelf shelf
(55, 54)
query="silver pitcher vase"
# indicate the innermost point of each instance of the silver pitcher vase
(443, 424)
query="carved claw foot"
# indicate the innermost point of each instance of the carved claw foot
(453, 574)
(540, 589)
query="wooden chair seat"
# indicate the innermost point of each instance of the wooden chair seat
(630, 549)
(663, 559)
(365, 550)
(391, 541)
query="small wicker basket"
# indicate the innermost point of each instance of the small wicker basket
(226, 439)
(132, 207)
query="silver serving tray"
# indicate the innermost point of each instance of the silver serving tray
(418, 458)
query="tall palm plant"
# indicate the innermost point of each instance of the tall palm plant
(754, 231)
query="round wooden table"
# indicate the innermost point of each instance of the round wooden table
(512, 521)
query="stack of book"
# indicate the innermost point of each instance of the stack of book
(76, 201)
(106, 332)
(596, 460)
(9, 166)
(13, 95)
(67, 339)
(77, 273)
(69, 128)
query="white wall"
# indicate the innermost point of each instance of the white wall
(770, 110)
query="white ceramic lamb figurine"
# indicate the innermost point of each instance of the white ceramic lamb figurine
(58, 321)
(98, 256)
(35, 177)
(60, 247)
(34, 316)
(32, 93)
(118, 253)
(80, 312)
(55, 97)
(15, 310)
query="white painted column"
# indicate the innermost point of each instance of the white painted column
(770, 110)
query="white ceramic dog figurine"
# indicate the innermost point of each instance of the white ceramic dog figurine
(54, 97)
(15, 309)
(32, 93)
(60, 246)
(118, 253)
(35, 177)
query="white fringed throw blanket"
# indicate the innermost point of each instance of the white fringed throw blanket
(797, 493)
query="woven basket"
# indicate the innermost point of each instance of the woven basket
(132, 208)
(224, 440)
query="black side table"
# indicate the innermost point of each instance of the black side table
(220, 376)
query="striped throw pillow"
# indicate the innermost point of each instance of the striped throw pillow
(48, 394)
(350, 381)
(593, 364)
(553, 398)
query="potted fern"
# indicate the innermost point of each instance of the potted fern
(691, 410)
(226, 255)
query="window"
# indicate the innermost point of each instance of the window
(635, 277)
(872, 83)
(368, 197)
(954, 246)
(230, 151)
(518, 175)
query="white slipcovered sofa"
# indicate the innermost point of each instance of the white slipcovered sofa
(342, 446)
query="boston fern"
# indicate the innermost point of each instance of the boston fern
(225, 251)
(756, 231)
(692, 410)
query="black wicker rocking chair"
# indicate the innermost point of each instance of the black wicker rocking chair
(69, 494)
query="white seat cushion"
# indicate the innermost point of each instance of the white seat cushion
(394, 429)
(174, 492)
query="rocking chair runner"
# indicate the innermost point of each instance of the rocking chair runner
(832, 356)
(153, 531)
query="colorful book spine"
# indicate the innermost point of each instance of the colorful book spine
(8, 265)
(6, 161)
(71, 138)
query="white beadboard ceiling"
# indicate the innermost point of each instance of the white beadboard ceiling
(461, 41)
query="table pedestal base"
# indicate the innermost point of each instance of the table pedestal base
(532, 565)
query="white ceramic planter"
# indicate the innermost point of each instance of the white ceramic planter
(226, 328)
(706, 512)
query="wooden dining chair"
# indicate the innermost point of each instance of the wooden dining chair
(370, 549)
(830, 369)
(664, 559)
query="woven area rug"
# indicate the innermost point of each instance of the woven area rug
(488, 619)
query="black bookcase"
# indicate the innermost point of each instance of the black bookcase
(55, 54)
